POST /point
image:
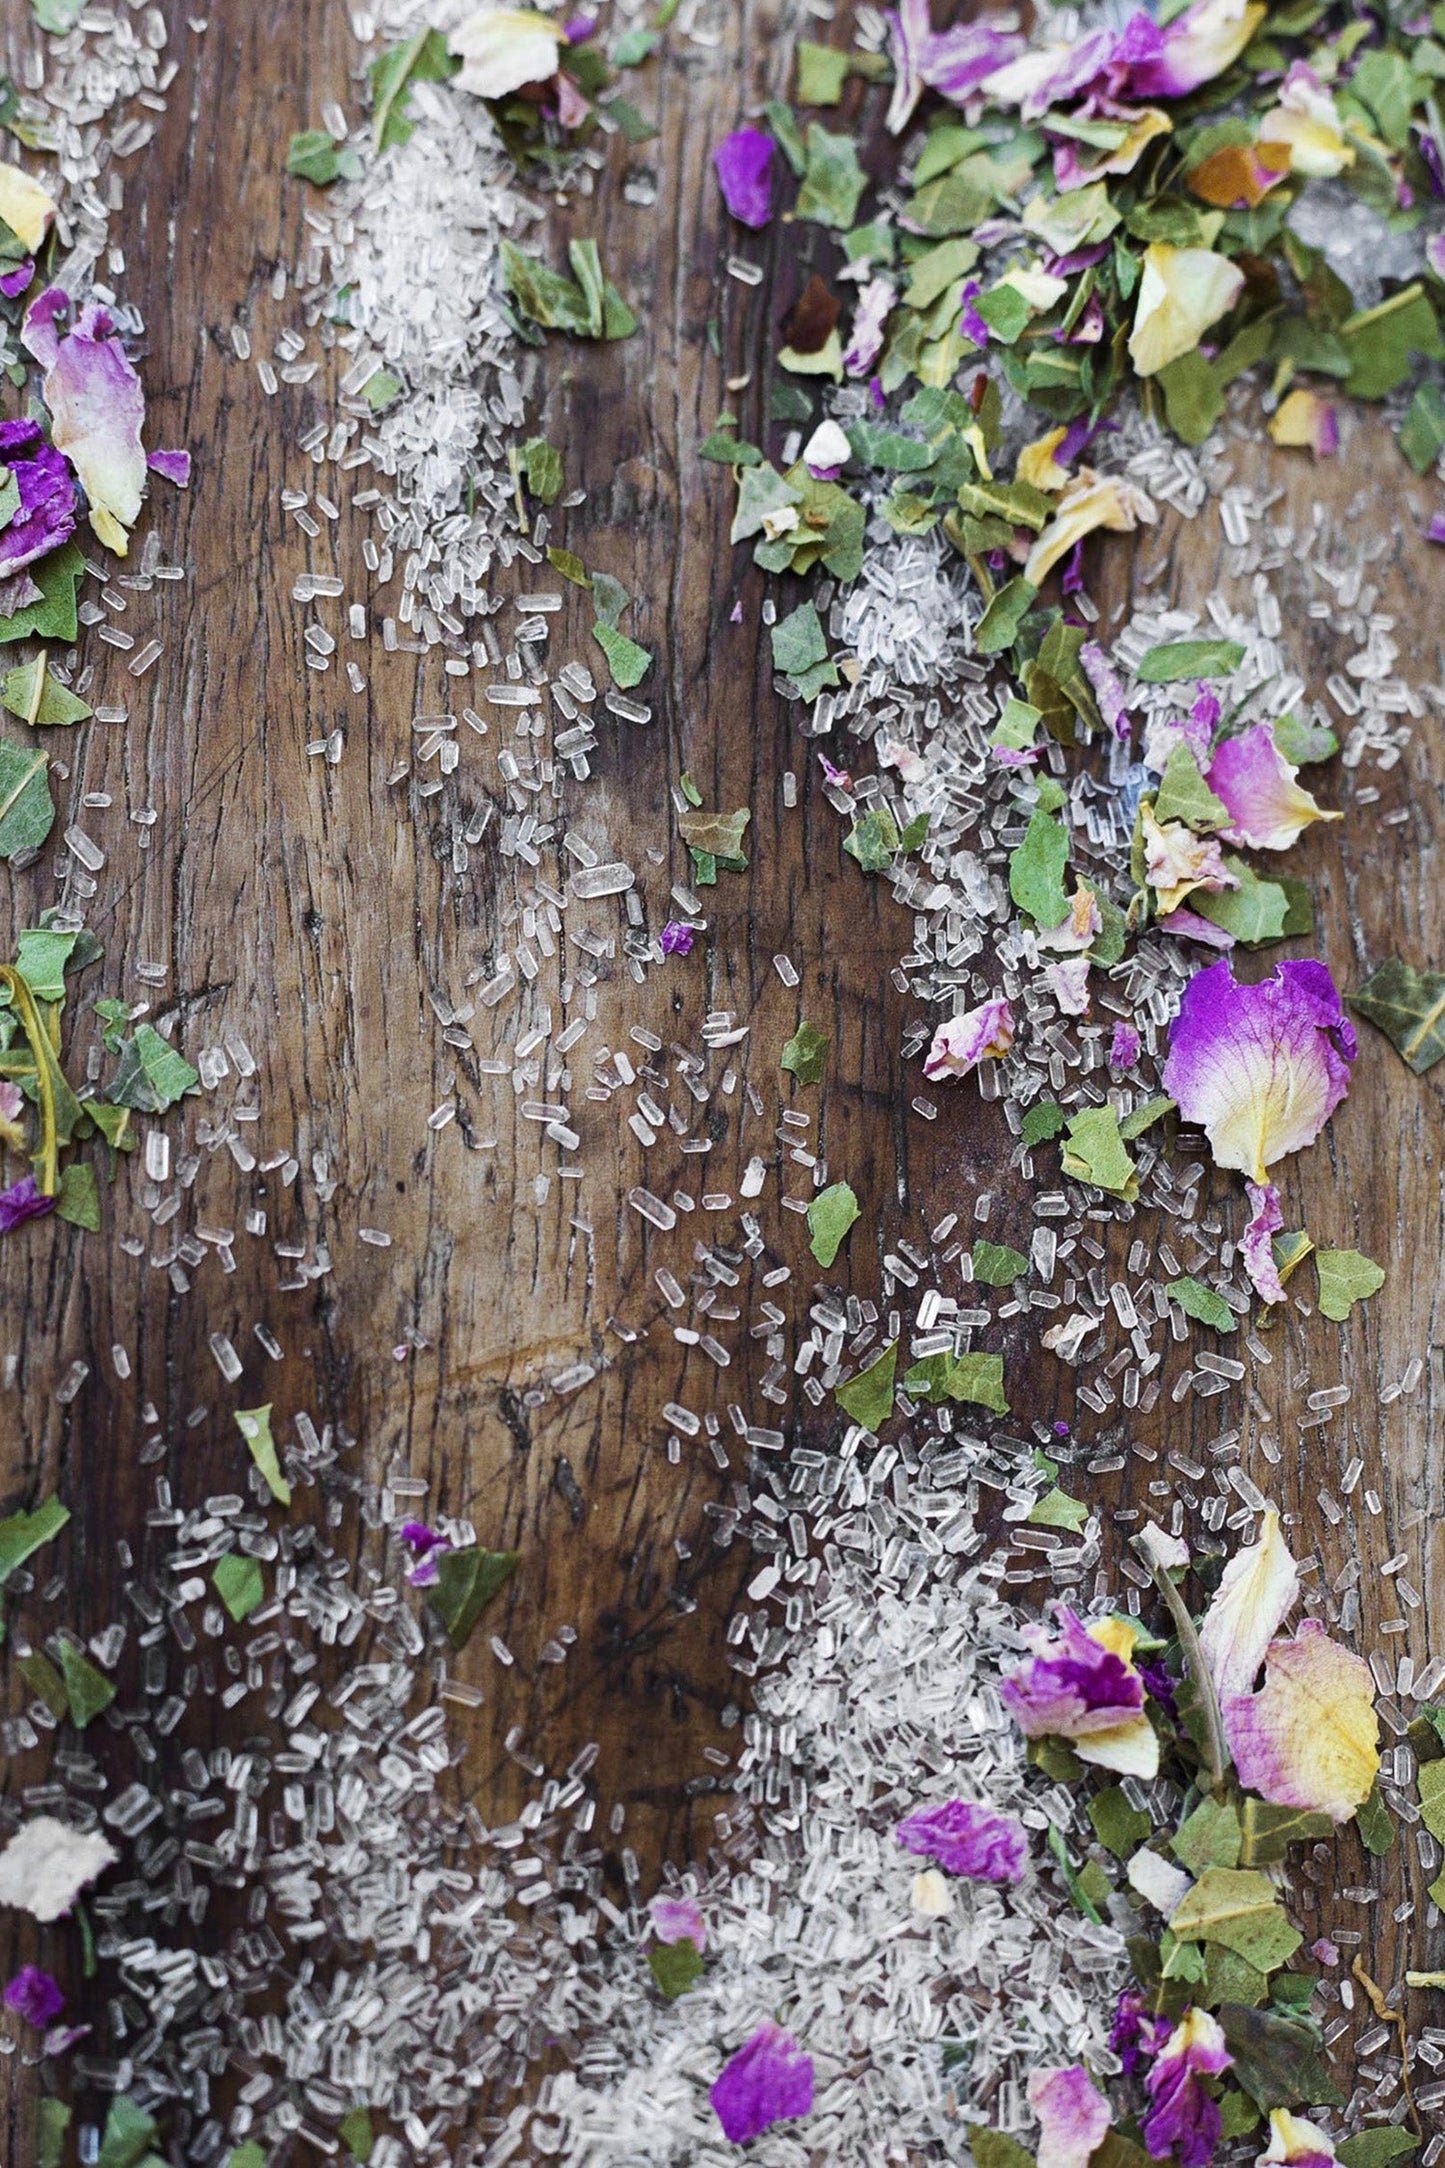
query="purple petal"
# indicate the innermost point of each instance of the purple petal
(1073, 2115)
(1191, 927)
(678, 1919)
(1435, 532)
(97, 410)
(1135, 2032)
(15, 280)
(172, 467)
(1196, 47)
(1267, 809)
(769, 2080)
(34, 1996)
(1255, 1245)
(677, 938)
(968, 1840)
(951, 62)
(1260, 1068)
(1072, 1685)
(1183, 2123)
(970, 323)
(46, 517)
(1123, 1047)
(23, 1201)
(866, 343)
(964, 1041)
(1104, 678)
(909, 32)
(744, 162)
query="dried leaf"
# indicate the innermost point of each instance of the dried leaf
(1036, 871)
(27, 812)
(152, 1075)
(1201, 1302)
(1409, 1007)
(254, 1425)
(1174, 660)
(1277, 2060)
(830, 1215)
(868, 1397)
(1346, 1277)
(674, 1966)
(87, 1690)
(996, 1265)
(975, 1377)
(240, 1584)
(465, 1584)
(628, 663)
(804, 1053)
(1240, 1909)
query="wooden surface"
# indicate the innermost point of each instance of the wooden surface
(313, 908)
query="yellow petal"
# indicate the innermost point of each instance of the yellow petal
(25, 207)
(1310, 1737)
(1255, 1594)
(1091, 500)
(1130, 1750)
(1118, 1635)
(1182, 291)
(1038, 466)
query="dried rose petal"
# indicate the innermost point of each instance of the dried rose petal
(1267, 809)
(678, 1919)
(744, 162)
(1183, 2123)
(24, 1200)
(34, 1996)
(97, 409)
(1073, 2115)
(968, 1840)
(1255, 1595)
(769, 2080)
(964, 1041)
(46, 517)
(1310, 1737)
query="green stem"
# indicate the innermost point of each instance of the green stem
(1214, 1754)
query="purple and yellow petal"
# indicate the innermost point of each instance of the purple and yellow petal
(97, 409)
(1183, 2123)
(1256, 1592)
(1267, 809)
(1073, 2116)
(1073, 1685)
(1256, 1244)
(1310, 1737)
(1090, 501)
(25, 206)
(1177, 862)
(1196, 47)
(1296, 2142)
(869, 321)
(1260, 1068)
(984, 1033)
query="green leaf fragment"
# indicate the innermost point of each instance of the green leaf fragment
(87, 1690)
(1304, 743)
(541, 465)
(1381, 343)
(996, 2149)
(1185, 796)
(53, 616)
(868, 1397)
(30, 692)
(570, 566)
(1345, 1278)
(1377, 1830)
(798, 639)
(1095, 1153)
(356, 2134)
(1209, 1837)
(1409, 1007)
(1056, 1509)
(23, 1534)
(254, 1425)
(1041, 1122)
(27, 811)
(803, 1054)
(975, 1377)
(1277, 2060)
(674, 1966)
(57, 16)
(313, 155)
(628, 663)
(1198, 1301)
(152, 1075)
(45, 1682)
(78, 1201)
(1146, 1114)
(999, 625)
(633, 47)
(1120, 1828)
(874, 840)
(1174, 660)
(996, 1265)
(465, 1584)
(1422, 432)
(1036, 871)
(421, 59)
(1239, 1908)
(240, 1584)
(249, 2155)
(129, 2132)
(52, 2121)
(822, 72)
(830, 1215)
(1255, 912)
(1374, 2148)
(833, 180)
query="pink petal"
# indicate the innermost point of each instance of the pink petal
(678, 1919)
(1267, 809)
(1310, 1737)
(1256, 1246)
(964, 1041)
(172, 467)
(968, 1840)
(866, 343)
(769, 2080)
(97, 410)
(1073, 2115)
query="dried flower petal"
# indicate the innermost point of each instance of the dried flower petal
(1261, 1068)
(678, 1919)
(501, 49)
(1090, 501)
(769, 2080)
(1256, 1592)
(47, 1864)
(172, 466)
(1182, 291)
(1297, 2142)
(1073, 2115)
(869, 321)
(1310, 1737)
(1183, 2123)
(968, 1840)
(34, 1996)
(1123, 1048)
(25, 206)
(677, 938)
(964, 1041)
(97, 409)
(24, 1200)
(1267, 808)
(1256, 1245)
(744, 162)
(1304, 420)
(46, 517)
(1177, 862)
(1197, 46)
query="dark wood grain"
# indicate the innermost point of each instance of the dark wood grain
(314, 909)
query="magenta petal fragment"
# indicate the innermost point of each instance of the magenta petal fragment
(1183, 2123)
(1108, 690)
(1260, 1068)
(769, 2080)
(1072, 1685)
(17, 278)
(172, 467)
(46, 517)
(97, 409)
(1267, 809)
(24, 1200)
(744, 162)
(1073, 2116)
(34, 1996)
(866, 343)
(964, 1041)
(968, 1840)
(1256, 1246)
(678, 1919)
(677, 938)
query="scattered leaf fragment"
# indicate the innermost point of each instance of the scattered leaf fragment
(1201, 1302)
(254, 1425)
(830, 1215)
(87, 1690)
(868, 1397)
(465, 1584)
(1173, 660)
(674, 1966)
(628, 662)
(1409, 1007)
(996, 1265)
(240, 1584)
(804, 1053)
(1346, 1277)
